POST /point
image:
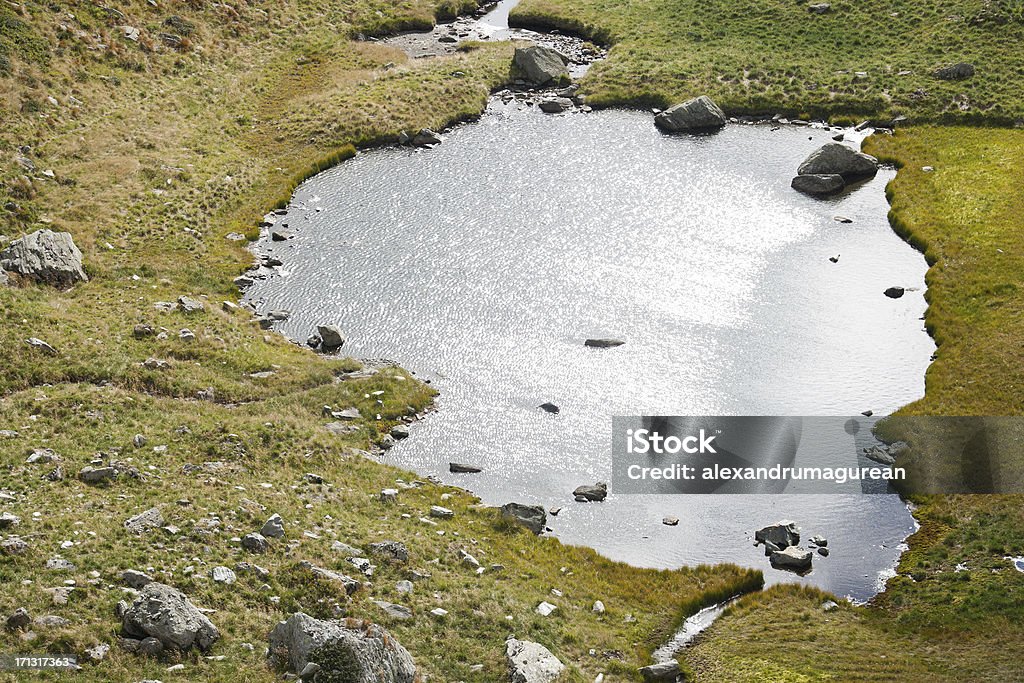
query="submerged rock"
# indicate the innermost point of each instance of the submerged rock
(350, 650)
(45, 256)
(700, 113)
(541, 65)
(838, 159)
(530, 662)
(818, 183)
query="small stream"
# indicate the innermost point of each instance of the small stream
(482, 264)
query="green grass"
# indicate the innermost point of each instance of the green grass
(766, 56)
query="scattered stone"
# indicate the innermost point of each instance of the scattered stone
(783, 534)
(51, 621)
(331, 337)
(954, 72)
(46, 256)
(59, 564)
(142, 331)
(439, 612)
(164, 613)
(895, 292)
(187, 335)
(42, 456)
(663, 672)
(97, 475)
(541, 65)
(791, 558)
(670, 521)
(368, 649)
(404, 586)
(819, 8)
(596, 492)
(389, 496)
(189, 305)
(97, 653)
(823, 551)
(281, 235)
(458, 468)
(842, 219)
(255, 543)
(136, 579)
(222, 575)
(819, 541)
(818, 183)
(441, 512)
(598, 607)
(549, 408)
(555, 105)
(155, 364)
(394, 550)
(530, 662)
(838, 159)
(468, 559)
(532, 517)
(400, 432)
(426, 138)
(829, 606)
(144, 521)
(9, 521)
(347, 582)
(19, 620)
(37, 343)
(603, 343)
(393, 610)
(698, 114)
(274, 527)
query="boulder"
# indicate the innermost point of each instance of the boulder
(530, 662)
(45, 256)
(592, 492)
(426, 138)
(533, 517)
(697, 114)
(255, 543)
(350, 650)
(164, 613)
(541, 65)
(603, 343)
(895, 292)
(555, 105)
(331, 336)
(818, 183)
(662, 672)
(834, 158)
(783, 534)
(457, 468)
(274, 527)
(791, 558)
(19, 620)
(954, 72)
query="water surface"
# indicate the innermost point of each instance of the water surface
(484, 263)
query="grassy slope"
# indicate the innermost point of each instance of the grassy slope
(774, 55)
(158, 153)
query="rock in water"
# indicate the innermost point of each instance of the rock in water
(426, 138)
(457, 468)
(533, 517)
(555, 105)
(353, 650)
(700, 113)
(791, 558)
(596, 492)
(783, 534)
(541, 65)
(603, 343)
(530, 662)
(331, 336)
(164, 613)
(818, 183)
(550, 408)
(838, 159)
(955, 72)
(663, 672)
(895, 292)
(45, 256)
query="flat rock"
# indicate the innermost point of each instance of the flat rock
(603, 343)
(555, 105)
(459, 468)
(144, 521)
(818, 184)
(791, 558)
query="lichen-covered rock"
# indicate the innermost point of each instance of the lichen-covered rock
(351, 650)
(530, 662)
(46, 256)
(533, 517)
(164, 613)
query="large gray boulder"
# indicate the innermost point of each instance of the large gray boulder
(45, 256)
(818, 183)
(331, 336)
(541, 65)
(351, 650)
(838, 159)
(530, 662)
(164, 613)
(793, 558)
(954, 72)
(697, 114)
(662, 672)
(782, 534)
(533, 517)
